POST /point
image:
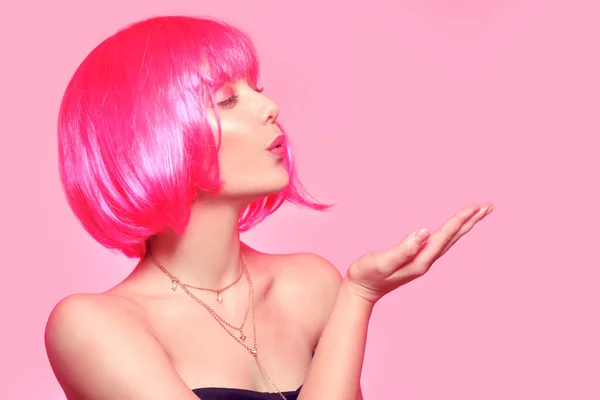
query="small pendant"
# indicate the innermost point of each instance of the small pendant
(243, 337)
(173, 285)
(219, 298)
(253, 351)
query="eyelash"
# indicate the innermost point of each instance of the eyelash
(232, 101)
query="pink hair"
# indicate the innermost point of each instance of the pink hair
(135, 144)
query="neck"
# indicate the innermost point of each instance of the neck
(208, 253)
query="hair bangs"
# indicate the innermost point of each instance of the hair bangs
(230, 56)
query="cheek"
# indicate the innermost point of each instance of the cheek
(237, 152)
(241, 150)
(233, 129)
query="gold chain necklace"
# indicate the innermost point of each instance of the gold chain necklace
(174, 285)
(175, 282)
(220, 320)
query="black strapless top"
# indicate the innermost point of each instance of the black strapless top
(242, 394)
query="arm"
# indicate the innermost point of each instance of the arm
(99, 351)
(312, 289)
(337, 364)
(334, 373)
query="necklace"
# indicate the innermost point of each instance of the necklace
(220, 320)
(175, 283)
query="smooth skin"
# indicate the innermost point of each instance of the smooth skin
(336, 367)
(140, 340)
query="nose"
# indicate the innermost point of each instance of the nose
(269, 112)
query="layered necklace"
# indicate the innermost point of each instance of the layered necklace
(235, 331)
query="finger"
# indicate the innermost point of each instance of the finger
(403, 253)
(440, 238)
(467, 227)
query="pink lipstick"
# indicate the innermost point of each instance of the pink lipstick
(276, 146)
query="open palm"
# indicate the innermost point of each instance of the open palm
(377, 273)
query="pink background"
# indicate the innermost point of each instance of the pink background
(401, 112)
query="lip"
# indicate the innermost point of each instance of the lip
(277, 142)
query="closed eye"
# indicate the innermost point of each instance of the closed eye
(228, 103)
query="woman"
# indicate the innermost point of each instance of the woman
(168, 149)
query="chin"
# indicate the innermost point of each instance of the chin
(258, 187)
(276, 184)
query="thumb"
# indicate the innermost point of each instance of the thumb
(403, 253)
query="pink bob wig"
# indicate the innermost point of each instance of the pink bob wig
(135, 145)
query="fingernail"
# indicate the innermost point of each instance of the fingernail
(489, 210)
(422, 234)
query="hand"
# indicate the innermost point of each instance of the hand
(375, 274)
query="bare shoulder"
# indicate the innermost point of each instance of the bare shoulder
(89, 307)
(308, 285)
(81, 317)
(310, 271)
(99, 347)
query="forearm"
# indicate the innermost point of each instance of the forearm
(334, 373)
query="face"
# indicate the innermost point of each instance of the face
(249, 165)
